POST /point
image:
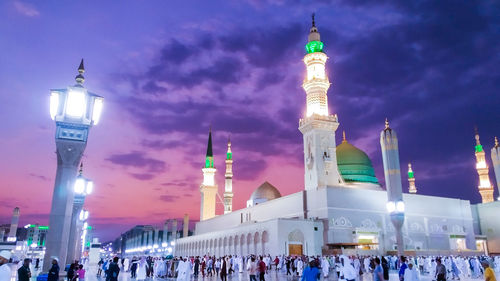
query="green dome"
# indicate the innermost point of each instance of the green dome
(354, 165)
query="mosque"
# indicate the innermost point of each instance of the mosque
(343, 207)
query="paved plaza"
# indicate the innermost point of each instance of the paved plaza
(271, 276)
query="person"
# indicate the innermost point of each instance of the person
(142, 269)
(54, 271)
(252, 269)
(440, 271)
(385, 266)
(378, 272)
(350, 273)
(223, 270)
(311, 272)
(183, 270)
(5, 272)
(133, 268)
(80, 273)
(24, 273)
(196, 266)
(402, 268)
(489, 275)
(71, 272)
(99, 267)
(217, 266)
(262, 269)
(325, 267)
(113, 270)
(411, 273)
(300, 266)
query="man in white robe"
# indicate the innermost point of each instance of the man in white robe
(325, 267)
(411, 273)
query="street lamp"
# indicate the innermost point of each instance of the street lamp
(75, 110)
(82, 188)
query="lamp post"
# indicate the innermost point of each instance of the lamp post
(75, 110)
(82, 188)
(395, 205)
(83, 217)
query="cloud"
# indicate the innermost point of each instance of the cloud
(139, 160)
(169, 198)
(143, 177)
(41, 177)
(25, 9)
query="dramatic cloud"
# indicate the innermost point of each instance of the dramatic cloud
(431, 67)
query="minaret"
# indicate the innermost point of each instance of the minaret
(208, 188)
(411, 180)
(185, 226)
(485, 187)
(318, 126)
(13, 225)
(495, 158)
(395, 204)
(165, 231)
(228, 190)
(174, 229)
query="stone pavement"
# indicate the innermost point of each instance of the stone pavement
(271, 276)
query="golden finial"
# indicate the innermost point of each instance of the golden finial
(409, 167)
(343, 136)
(477, 136)
(386, 123)
(81, 168)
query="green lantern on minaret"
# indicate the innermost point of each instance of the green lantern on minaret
(314, 44)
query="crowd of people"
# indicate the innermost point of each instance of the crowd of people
(338, 267)
(333, 267)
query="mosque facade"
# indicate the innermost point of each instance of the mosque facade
(343, 207)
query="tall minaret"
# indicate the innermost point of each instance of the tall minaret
(318, 126)
(13, 225)
(495, 158)
(395, 204)
(485, 187)
(228, 190)
(411, 180)
(208, 188)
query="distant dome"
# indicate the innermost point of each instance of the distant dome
(265, 192)
(354, 165)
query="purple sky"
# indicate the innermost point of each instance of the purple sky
(169, 69)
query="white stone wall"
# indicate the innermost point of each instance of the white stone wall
(490, 224)
(429, 220)
(269, 237)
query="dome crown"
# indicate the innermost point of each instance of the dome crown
(354, 165)
(265, 191)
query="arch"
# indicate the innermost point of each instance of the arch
(296, 236)
(249, 244)
(237, 245)
(230, 245)
(219, 250)
(265, 242)
(224, 246)
(296, 242)
(216, 246)
(242, 244)
(256, 244)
